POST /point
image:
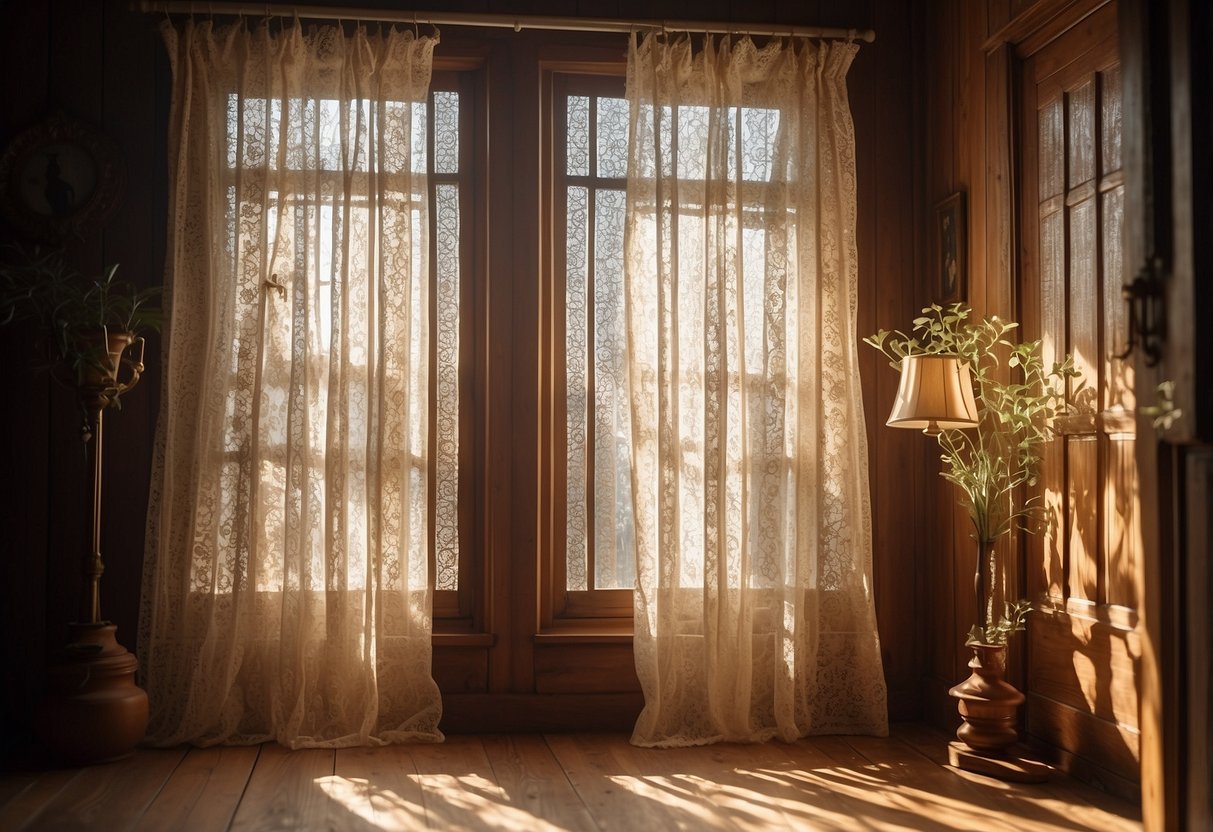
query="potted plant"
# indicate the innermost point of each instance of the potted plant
(89, 331)
(995, 465)
(86, 325)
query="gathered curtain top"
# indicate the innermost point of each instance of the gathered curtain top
(728, 67)
(392, 61)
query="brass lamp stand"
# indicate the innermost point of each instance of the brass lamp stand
(93, 711)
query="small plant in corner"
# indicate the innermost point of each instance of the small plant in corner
(993, 464)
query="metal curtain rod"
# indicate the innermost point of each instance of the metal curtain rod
(500, 21)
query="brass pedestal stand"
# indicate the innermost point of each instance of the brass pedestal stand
(93, 711)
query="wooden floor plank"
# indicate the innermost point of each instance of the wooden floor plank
(919, 784)
(13, 783)
(627, 788)
(380, 786)
(581, 783)
(459, 789)
(531, 778)
(38, 789)
(111, 795)
(1066, 799)
(203, 792)
(814, 791)
(723, 778)
(283, 792)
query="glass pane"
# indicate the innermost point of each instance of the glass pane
(446, 132)
(612, 138)
(613, 562)
(576, 384)
(758, 130)
(578, 144)
(446, 428)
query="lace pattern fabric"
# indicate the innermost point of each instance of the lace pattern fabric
(754, 616)
(286, 588)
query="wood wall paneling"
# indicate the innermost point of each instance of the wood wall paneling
(24, 424)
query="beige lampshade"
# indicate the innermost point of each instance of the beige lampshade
(936, 393)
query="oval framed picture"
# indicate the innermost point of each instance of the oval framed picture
(58, 178)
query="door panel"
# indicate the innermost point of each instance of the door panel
(1083, 652)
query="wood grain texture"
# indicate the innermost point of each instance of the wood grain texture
(1052, 804)
(599, 668)
(283, 791)
(575, 782)
(531, 778)
(457, 783)
(1091, 748)
(203, 792)
(110, 796)
(377, 786)
(1088, 665)
(27, 795)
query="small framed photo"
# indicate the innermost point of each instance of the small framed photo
(950, 284)
(58, 178)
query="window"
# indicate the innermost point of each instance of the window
(592, 565)
(440, 133)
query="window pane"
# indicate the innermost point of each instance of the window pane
(598, 531)
(446, 427)
(578, 150)
(446, 132)
(614, 566)
(612, 138)
(576, 384)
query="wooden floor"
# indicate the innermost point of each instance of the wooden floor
(554, 782)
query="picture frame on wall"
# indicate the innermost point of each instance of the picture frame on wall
(59, 178)
(950, 284)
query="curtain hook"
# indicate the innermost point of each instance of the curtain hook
(416, 28)
(517, 25)
(851, 35)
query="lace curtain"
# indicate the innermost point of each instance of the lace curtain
(286, 592)
(754, 615)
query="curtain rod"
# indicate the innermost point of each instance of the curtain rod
(500, 21)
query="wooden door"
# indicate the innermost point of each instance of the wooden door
(1083, 651)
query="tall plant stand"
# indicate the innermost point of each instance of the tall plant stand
(93, 711)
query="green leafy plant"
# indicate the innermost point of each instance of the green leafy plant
(1012, 621)
(68, 310)
(993, 465)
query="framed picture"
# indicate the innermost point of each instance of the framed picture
(59, 177)
(951, 250)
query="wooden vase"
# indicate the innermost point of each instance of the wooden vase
(988, 704)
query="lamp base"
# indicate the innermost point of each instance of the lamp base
(93, 711)
(1003, 766)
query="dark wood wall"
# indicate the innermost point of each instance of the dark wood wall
(104, 64)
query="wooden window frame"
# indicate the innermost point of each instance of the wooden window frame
(462, 611)
(564, 611)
